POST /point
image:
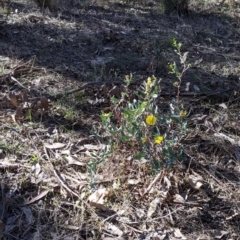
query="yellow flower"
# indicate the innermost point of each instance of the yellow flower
(151, 120)
(107, 115)
(144, 139)
(148, 85)
(176, 84)
(159, 139)
(183, 113)
(149, 81)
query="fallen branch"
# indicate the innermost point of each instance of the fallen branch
(83, 86)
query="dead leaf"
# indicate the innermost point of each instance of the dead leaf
(153, 207)
(199, 118)
(104, 90)
(203, 193)
(72, 160)
(99, 206)
(44, 103)
(218, 234)
(36, 168)
(223, 105)
(196, 88)
(224, 119)
(167, 182)
(116, 92)
(100, 196)
(56, 145)
(195, 182)
(24, 95)
(14, 99)
(6, 102)
(133, 181)
(178, 234)
(113, 229)
(41, 195)
(215, 119)
(18, 113)
(75, 228)
(208, 123)
(95, 147)
(187, 86)
(178, 198)
(140, 213)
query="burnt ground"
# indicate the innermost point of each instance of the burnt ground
(99, 43)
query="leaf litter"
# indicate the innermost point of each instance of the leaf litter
(46, 154)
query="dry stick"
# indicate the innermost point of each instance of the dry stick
(83, 86)
(153, 182)
(35, 199)
(14, 79)
(170, 216)
(231, 217)
(61, 180)
(58, 176)
(134, 229)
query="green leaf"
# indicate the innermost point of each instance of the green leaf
(139, 155)
(175, 118)
(184, 57)
(174, 42)
(144, 105)
(156, 165)
(154, 95)
(124, 138)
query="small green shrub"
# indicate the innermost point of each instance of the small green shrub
(140, 125)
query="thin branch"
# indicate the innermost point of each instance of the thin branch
(83, 86)
(153, 182)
